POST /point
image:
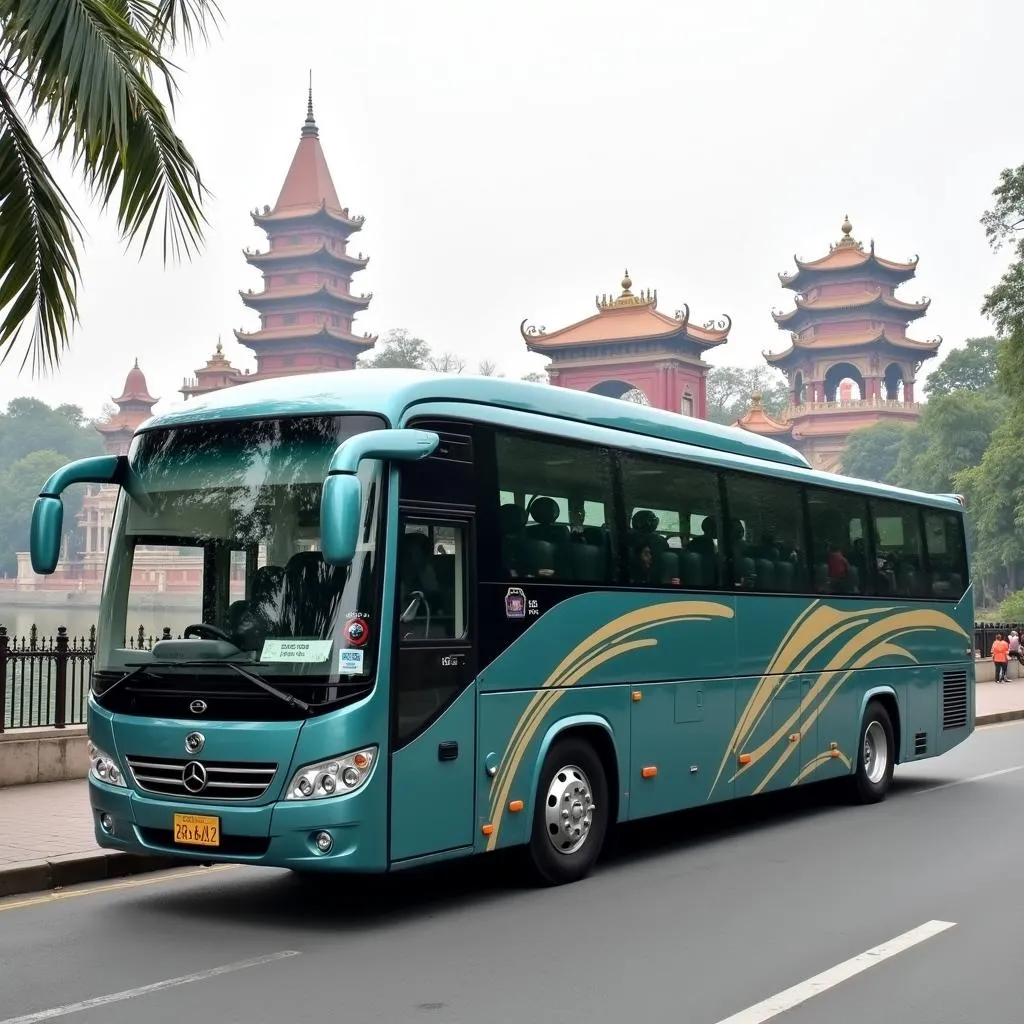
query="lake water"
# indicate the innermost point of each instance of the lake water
(78, 620)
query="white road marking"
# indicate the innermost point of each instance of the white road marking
(958, 782)
(145, 990)
(798, 994)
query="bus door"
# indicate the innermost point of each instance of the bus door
(433, 704)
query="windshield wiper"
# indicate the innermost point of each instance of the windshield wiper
(288, 698)
(244, 673)
(140, 670)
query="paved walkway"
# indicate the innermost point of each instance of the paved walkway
(46, 834)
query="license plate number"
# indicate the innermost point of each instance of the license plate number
(196, 830)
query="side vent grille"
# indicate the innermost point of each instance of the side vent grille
(920, 743)
(954, 700)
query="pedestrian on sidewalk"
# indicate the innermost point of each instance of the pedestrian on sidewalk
(1016, 653)
(1000, 657)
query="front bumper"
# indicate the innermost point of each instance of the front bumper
(279, 834)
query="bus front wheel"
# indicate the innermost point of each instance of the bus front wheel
(876, 756)
(570, 819)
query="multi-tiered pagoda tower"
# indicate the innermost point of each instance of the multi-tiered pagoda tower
(850, 363)
(307, 306)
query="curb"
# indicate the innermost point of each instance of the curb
(999, 716)
(76, 868)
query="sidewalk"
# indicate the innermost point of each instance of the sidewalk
(46, 838)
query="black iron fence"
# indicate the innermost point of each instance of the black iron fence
(986, 632)
(44, 680)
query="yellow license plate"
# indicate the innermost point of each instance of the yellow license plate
(196, 830)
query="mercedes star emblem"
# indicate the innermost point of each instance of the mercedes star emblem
(193, 776)
(197, 707)
(194, 742)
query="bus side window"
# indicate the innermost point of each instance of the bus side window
(947, 554)
(560, 525)
(767, 534)
(899, 547)
(650, 486)
(839, 551)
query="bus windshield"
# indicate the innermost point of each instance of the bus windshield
(224, 534)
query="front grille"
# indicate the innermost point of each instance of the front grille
(920, 743)
(225, 780)
(954, 700)
(230, 846)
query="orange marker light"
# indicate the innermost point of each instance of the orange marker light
(637, 696)
(649, 772)
(515, 805)
(794, 737)
(745, 759)
(487, 829)
(360, 760)
(834, 753)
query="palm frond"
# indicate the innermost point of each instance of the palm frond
(182, 22)
(39, 270)
(90, 73)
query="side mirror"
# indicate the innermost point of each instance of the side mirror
(339, 518)
(48, 511)
(342, 500)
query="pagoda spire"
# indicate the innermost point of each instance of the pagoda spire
(309, 127)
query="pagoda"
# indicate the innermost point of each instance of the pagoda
(306, 307)
(849, 363)
(218, 373)
(628, 349)
(134, 407)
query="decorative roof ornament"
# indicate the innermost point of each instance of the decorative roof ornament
(847, 241)
(627, 298)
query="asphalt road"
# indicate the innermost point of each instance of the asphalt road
(697, 920)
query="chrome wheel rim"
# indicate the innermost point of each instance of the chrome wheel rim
(876, 753)
(569, 810)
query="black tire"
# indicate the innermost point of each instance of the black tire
(867, 786)
(550, 865)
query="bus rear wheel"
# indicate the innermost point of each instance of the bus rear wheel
(570, 819)
(876, 756)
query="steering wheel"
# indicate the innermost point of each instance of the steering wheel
(204, 631)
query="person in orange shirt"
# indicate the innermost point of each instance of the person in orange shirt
(1000, 657)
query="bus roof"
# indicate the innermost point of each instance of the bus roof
(391, 392)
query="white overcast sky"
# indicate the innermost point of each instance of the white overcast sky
(512, 159)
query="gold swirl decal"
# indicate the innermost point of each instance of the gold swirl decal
(819, 627)
(614, 639)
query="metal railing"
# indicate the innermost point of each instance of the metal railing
(45, 680)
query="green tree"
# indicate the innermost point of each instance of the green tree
(971, 368)
(1004, 304)
(398, 349)
(994, 489)
(730, 389)
(952, 435)
(19, 484)
(95, 76)
(30, 425)
(872, 453)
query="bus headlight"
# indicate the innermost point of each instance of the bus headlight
(334, 776)
(104, 768)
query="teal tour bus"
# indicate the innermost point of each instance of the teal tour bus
(443, 615)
